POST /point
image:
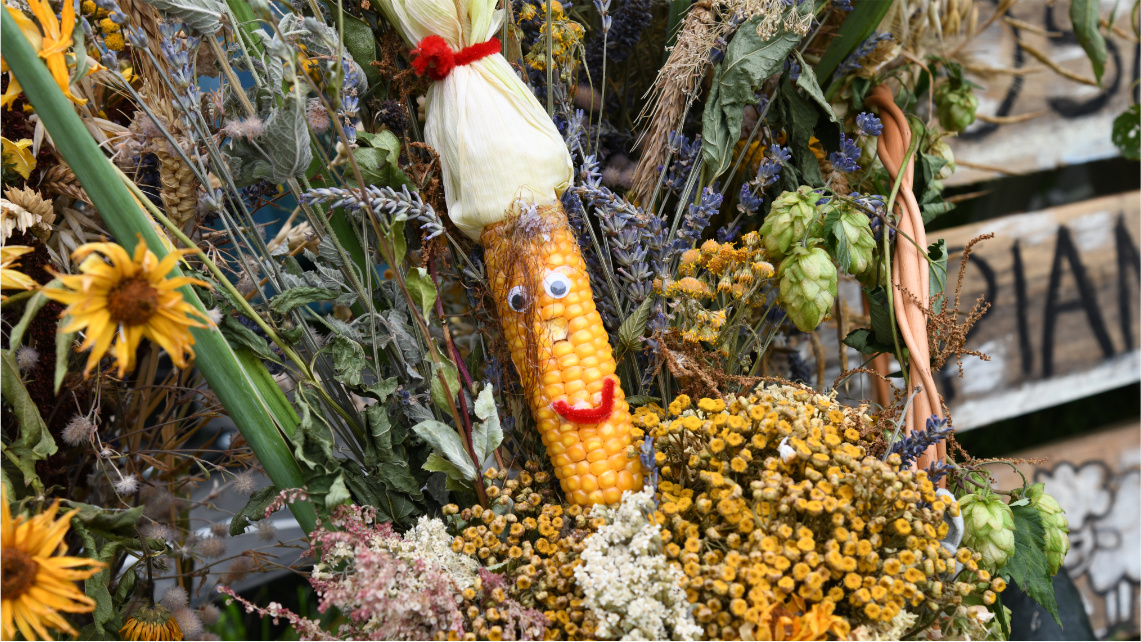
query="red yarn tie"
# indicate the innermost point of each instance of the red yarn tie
(589, 415)
(436, 59)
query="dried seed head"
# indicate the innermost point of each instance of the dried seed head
(189, 622)
(26, 358)
(78, 431)
(127, 485)
(212, 547)
(175, 598)
(245, 484)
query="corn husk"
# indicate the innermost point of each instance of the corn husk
(496, 143)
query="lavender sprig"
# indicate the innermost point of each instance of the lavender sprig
(912, 446)
(697, 218)
(845, 159)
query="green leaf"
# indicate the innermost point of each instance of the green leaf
(1127, 132)
(382, 389)
(1001, 616)
(422, 289)
(299, 296)
(452, 376)
(337, 494)
(379, 160)
(800, 119)
(836, 238)
(641, 400)
(35, 443)
(31, 309)
(1028, 566)
(437, 464)
(1085, 16)
(860, 23)
(253, 511)
(399, 244)
(107, 522)
(447, 442)
(63, 342)
(865, 342)
(937, 268)
(203, 16)
(807, 82)
(241, 336)
(380, 427)
(397, 476)
(312, 439)
(881, 319)
(348, 359)
(633, 327)
(361, 45)
(749, 62)
(286, 140)
(486, 435)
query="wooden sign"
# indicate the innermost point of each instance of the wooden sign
(1065, 291)
(1063, 285)
(1097, 480)
(1074, 119)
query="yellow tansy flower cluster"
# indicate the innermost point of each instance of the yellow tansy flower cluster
(771, 503)
(566, 38)
(100, 17)
(534, 542)
(725, 274)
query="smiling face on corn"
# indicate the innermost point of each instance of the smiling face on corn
(567, 365)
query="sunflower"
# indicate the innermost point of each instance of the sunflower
(11, 278)
(122, 299)
(38, 580)
(151, 623)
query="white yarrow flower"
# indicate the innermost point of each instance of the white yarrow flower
(629, 585)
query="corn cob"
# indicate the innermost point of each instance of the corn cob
(562, 352)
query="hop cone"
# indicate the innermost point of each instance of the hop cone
(1054, 521)
(807, 286)
(788, 220)
(861, 243)
(989, 529)
(955, 107)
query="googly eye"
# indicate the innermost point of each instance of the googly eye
(518, 299)
(556, 285)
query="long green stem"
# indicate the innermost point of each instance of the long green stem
(247, 391)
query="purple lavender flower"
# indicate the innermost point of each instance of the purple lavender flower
(697, 218)
(747, 203)
(685, 153)
(868, 125)
(792, 69)
(852, 62)
(912, 446)
(845, 159)
(768, 172)
(842, 5)
(727, 233)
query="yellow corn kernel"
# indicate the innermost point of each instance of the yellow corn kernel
(538, 276)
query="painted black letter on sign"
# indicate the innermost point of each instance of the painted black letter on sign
(1087, 301)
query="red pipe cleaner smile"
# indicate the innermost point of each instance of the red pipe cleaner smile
(436, 59)
(589, 415)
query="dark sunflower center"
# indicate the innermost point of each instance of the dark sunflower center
(133, 301)
(18, 572)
